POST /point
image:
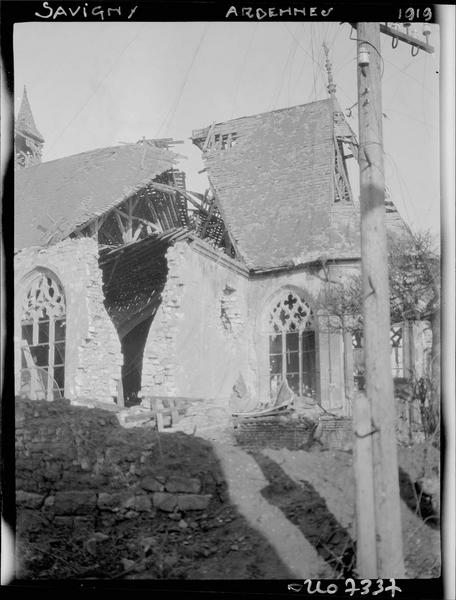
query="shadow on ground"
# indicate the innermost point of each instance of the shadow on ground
(307, 510)
(77, 452)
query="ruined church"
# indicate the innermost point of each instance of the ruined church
(129, 286)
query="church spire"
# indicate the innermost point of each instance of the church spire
(28, 140)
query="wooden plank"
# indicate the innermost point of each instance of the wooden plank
(159, 420)
(137, 232)
(120, 394)
(140, 219)
(209, 137)
(121, 225)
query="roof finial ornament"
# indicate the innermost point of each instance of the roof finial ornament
(331, 85)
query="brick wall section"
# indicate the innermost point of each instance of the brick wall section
(77, 466)
(294, 432)
(93, 355)
(273, 432)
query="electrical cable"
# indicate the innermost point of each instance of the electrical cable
(302, 47)
(276, 95)
(168, 119)
(313, 65)
(298, 78)
(403, 187)
(403, 70)
(112, 67)
(241, 73)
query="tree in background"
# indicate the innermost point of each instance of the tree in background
(414, 277)
(414, 280)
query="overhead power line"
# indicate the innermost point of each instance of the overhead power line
(100, 83)
(170, 116)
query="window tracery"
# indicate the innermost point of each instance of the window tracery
(292, 345)
(43, 339)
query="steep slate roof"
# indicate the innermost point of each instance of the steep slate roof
(275, 188)
(25, 122)
(54, 198)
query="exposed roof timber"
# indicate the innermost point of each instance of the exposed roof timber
(161, 187)
(139, 316)
(80, 188)
(145, 244)
(175, 190)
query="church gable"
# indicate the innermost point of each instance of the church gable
(281, 185)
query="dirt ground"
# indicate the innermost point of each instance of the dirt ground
(274, 514)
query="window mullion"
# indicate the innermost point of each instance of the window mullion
(300, 360)
(50, 392)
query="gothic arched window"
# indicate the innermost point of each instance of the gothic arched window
(43, 339)
(292, 345)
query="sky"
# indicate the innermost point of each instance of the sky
(93, 85)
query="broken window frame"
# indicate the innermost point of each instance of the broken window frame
(43, 356)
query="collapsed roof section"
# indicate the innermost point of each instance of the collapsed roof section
(54, 199)
(134, 276)
(120, 195)
(281, 184)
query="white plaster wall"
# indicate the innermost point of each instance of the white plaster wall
(93, 355)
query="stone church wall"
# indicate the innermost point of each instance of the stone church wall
(93, 357)
(197, 343)
(308, 282)
(212, 325)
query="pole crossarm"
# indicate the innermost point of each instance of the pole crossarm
(404, 37)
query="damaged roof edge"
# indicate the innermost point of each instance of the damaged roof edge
(81, 188)
(202, 132)
(266, 271)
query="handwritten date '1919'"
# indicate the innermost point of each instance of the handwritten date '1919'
(412, 14)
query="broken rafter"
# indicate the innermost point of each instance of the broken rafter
(122, 228)
(208, 218)
(162, 187)
(140, 219)
(209, 138)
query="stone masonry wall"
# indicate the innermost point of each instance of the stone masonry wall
(93, 354)
(76, 467)
(212, 326)
(197, 343)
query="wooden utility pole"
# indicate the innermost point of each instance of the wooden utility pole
(375, 289)
(380, 551)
